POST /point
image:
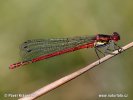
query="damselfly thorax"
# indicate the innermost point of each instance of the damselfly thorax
(100, 44)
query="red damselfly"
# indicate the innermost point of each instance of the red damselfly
(40, 49)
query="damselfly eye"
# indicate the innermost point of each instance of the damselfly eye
(116, 36)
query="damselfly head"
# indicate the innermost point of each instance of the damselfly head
(115, 36)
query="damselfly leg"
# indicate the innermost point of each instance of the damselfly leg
(96, 51)
(109, 48)
(118, 48)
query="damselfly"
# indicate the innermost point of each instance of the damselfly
(40, 49)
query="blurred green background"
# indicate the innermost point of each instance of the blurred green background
(21, 20)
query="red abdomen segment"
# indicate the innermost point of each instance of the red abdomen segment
(12, 66)
(89, 45)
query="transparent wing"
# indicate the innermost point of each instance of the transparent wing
(35, 48)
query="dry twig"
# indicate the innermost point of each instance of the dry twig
(69, 77)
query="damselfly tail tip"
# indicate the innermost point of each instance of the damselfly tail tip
(12, 66)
